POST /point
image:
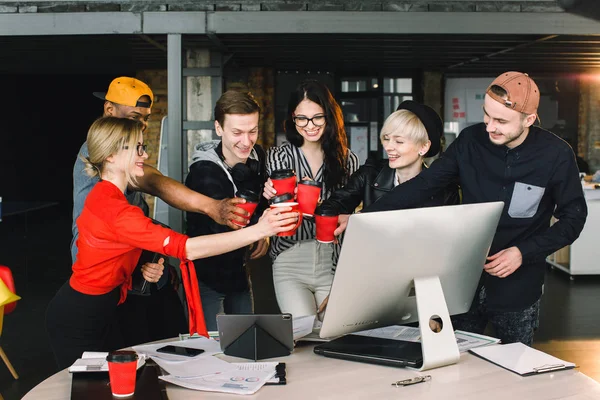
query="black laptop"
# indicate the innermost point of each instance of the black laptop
(372, 350)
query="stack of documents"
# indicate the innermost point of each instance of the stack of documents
(464, 340)
(240, 378)
(522, 359)
(206, 372)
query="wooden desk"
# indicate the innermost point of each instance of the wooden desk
(316, 377)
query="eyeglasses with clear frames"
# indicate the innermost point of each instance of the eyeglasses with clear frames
(141, 149)
(301, 121)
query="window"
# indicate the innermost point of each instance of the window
(395, 91)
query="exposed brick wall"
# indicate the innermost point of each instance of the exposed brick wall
(157, 80)
(8, 6)
(261, 83)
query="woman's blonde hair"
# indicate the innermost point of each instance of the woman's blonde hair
(108, 136)
(406, 124)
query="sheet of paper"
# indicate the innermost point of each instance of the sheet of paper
(88, 365)
(396, 332)
(94, 361)
(302, 326)
(465, 340)
(237, 382)
(94, 354)
(256, 366)
(468, 340)
(260, 366)
(521, 359)
(195, 367)
(209, 346)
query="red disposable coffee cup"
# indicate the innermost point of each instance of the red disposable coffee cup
(308, 196)
(286, 200)
(122, 367)
(326, 220)
(284, 181)
(250, 204)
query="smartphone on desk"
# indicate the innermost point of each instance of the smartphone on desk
(180, 351)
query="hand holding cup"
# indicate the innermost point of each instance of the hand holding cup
(326, 220)
(272, 222)
(249, 206)
(284, 201)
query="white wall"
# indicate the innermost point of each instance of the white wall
(463, 100)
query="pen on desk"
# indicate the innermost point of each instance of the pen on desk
(548, 368)
(412, 381)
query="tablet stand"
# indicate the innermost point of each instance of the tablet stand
(255, 344)
(439, 348)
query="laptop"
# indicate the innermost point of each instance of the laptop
(373, 350)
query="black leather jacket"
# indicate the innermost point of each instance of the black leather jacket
(375, 179)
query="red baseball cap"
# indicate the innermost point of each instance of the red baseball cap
(523, 94)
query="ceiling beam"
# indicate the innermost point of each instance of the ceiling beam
(364, 22)
(289, 22)
(586, 8)
(83, 23)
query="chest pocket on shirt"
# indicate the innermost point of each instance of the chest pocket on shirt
(525, 200)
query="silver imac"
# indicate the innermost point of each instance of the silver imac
(384, 252)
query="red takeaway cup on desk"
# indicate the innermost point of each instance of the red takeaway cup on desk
(286, 200)
(250, 204)
(308, 196)
(122, 367)
(326, 219)
(284, 181)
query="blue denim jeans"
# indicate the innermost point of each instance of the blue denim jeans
(214, 303)
(510, 326)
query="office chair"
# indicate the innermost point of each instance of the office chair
(8, 303)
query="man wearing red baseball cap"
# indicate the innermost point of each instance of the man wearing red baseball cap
(506, 158)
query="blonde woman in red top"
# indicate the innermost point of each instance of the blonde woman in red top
(112, 234)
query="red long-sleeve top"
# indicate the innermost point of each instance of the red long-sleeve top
(112, 234)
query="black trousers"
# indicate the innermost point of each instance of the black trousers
(145, 319)
(78, 322)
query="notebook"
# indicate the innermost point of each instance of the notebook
(521, 359)
(373, 350)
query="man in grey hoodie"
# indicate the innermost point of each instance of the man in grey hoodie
(219, 170)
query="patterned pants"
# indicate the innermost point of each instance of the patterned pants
(510, 326)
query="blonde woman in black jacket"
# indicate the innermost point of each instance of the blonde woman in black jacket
(409, 135)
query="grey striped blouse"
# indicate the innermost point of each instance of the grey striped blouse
(289, 156)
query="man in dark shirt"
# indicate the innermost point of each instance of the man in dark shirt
(219, 170)
(534, 173)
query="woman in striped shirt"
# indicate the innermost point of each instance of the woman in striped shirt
(316, 149)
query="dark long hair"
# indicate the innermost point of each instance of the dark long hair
(334, 141)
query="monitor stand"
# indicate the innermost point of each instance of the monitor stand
(439, 348)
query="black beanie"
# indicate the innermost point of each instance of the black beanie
(430, 119)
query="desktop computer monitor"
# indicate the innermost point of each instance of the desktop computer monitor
(382, 253)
